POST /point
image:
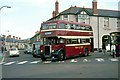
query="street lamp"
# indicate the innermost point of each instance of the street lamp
(0, 17)
(0, 13)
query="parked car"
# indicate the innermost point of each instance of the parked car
(13, 52)
(28, 51)
(36, 53)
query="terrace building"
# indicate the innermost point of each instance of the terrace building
(103, 21)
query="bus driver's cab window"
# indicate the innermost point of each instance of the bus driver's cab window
(61, 40)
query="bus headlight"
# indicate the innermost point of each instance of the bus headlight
(52, 50)
(41, 51)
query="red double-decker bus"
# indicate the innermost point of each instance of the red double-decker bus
(63, 39)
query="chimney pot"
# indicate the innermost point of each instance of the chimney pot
(94, 7)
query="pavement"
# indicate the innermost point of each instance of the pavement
(97, 54)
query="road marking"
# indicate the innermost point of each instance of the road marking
(2, 63)
(86, 60)
(99, 59)
(23, 62)
(74, 60)
(47, 62)
(112, 59)
(59, 61)
(35, 62)
(9, 63)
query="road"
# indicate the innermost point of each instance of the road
(97, 65)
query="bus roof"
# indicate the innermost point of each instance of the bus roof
(69, 22)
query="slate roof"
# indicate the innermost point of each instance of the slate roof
(101, 12)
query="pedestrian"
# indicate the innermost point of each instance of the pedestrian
(2, 49)
(103, 48)
(113, 51)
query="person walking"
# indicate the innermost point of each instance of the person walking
(113, 51)
(103, 48)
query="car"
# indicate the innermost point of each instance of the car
(13, 52)
(28, 51)
(36, 53)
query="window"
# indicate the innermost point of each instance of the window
(78, 27)
(106, 22)
(83, 17)
(65, 17)
(73, 26)
(67, 26)
(48, 26)
(61, 26)
(118, 23)
(85, 40)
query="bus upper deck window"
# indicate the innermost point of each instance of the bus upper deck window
(61, 26)
(67, 26)
(72, 26)
(77, 27)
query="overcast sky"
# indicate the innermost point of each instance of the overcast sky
(25, 16)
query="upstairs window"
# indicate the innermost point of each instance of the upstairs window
(83, 17)
(106, 22)
(65, 17)
(118, 23)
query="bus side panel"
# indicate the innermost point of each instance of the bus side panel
(76, 50)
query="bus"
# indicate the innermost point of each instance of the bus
(115, 43)
(62, 39)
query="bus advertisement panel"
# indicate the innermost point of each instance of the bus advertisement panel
(62, 39)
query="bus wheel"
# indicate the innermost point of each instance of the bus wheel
(85, 52)
(43, 58)
(61, 56)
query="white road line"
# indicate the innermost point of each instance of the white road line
(35, 62)
(112, 59)
(99, 59)
(2, 63)
(86, 60)
(47, 62)
(23, 62)
(9, 63)
(73, 60)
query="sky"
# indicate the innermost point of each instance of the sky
(24, 17)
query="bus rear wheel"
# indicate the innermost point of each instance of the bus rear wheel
(85, 52)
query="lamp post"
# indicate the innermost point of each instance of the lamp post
(0, 17)
(0, 14)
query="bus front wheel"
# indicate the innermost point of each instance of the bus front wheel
(43, 58)
(61, 56)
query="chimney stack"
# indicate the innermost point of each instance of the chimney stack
(94, 7)
(9, 36)
(56, 12)
(53, 14)
(16, 38)
(19, 38)
(56, 7)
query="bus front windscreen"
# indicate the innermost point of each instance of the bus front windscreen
(53, 40)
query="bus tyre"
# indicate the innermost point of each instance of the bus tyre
(34, 56)
(85, 52)
(43, 58)
(61, 56)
